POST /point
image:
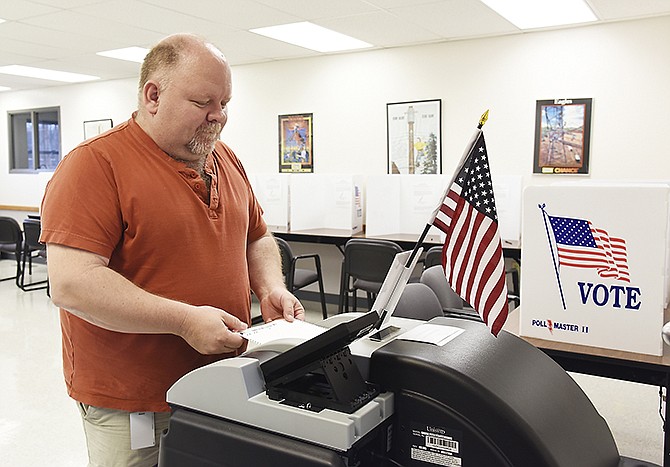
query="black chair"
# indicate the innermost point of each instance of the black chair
(433, 257)
(364, 267)
(418, 301)
(31, 245)
(11, 242)
(297, 278)
(452, 304)
(512, 271)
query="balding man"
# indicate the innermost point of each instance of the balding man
(155, 240)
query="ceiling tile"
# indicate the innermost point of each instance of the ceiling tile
(63, 4)
(621, 9)
(72, 23)
(229, 13)
(67, 41)
(452, 19)
(136, 14)
(388, 4)
(310, 10)
(24, 9)
(28, 51)
(65, 34)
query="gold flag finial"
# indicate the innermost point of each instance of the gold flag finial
(483, 119)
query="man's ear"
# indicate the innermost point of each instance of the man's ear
(150, 95)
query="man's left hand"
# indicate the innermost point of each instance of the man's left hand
(280, 303)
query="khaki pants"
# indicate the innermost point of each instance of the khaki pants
(108, 438)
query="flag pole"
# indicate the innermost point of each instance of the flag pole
(553, 258)
(466, 153)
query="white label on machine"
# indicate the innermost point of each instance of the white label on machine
(436, 445)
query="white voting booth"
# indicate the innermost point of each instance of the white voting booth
(595, 264)
(403, 204)
(326, 201)
(272, 192)
(310, 201)
(508, 190)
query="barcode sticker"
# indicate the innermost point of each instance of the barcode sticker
(442, 443)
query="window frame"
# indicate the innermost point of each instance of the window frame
(34, 112)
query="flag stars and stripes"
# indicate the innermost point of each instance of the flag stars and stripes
(473, 260)
(581, 245)
(474, 188)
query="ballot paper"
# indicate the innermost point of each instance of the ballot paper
(432, 334)
(281, 329)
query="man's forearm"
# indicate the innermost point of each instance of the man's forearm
(83, 284)
(264, 260)
(267, 281)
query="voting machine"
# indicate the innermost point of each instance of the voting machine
(348, 397)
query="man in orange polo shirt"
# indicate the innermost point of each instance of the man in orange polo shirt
(154, 240)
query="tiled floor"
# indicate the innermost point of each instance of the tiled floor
(40, 426)
(39, 423)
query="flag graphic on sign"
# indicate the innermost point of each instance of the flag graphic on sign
(472, 253)
(579, 244)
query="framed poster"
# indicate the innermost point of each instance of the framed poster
(296, 153)
(95, 127)
(562, 136)
(414, 141)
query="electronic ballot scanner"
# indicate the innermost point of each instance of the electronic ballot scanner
(370, 389)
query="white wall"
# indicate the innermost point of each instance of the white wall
(622, 66)
(90, 101)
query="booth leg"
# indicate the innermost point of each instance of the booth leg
(666, 433)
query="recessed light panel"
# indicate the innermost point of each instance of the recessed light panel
(532, 14)
(311, 36)
(131, 54)
(43, 73)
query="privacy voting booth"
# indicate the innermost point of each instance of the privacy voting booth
(402, 204)
(595, 265)
(272, 192)
(327, 201)
(311, 201)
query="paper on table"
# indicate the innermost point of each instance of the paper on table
(281, 329)
(431, 334)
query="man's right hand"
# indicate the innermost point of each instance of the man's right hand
(210, 330)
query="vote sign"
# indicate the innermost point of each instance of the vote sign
(593, 268)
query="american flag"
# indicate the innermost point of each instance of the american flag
(581, 245)
(472, 253)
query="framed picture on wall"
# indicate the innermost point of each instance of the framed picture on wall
(296, 152)
(95, 127)
(562, 136)
(414, 137)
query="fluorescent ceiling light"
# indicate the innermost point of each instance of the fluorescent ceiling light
(42, 73)
(531, 14)
(311, 36)
(4, 88)
(131, 54)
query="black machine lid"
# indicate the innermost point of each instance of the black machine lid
(298, 360)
